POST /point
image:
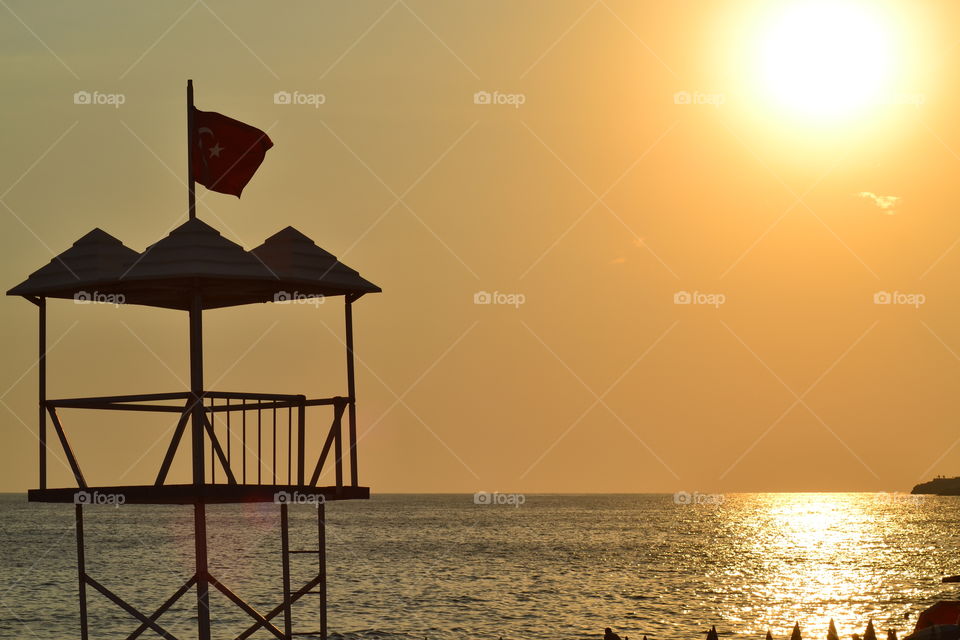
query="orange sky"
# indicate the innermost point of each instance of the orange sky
(598, 199)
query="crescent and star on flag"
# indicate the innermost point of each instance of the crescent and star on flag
(216, 148)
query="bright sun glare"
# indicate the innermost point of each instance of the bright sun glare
(826, 58)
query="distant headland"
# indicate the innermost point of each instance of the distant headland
(939, 486)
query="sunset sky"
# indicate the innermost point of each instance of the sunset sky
(788, 165)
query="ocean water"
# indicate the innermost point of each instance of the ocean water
(557, 566)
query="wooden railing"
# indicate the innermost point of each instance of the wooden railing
(238, 430)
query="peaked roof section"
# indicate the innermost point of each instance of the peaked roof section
(195, 250)
(95, 257)
(292, 256)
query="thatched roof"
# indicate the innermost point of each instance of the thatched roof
(194, 257)
(95, 257)
(294, 257)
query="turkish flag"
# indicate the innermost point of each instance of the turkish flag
(226, 152)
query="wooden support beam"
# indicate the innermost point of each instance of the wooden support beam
(196, 386)
(74, 465)
(277, 610)
(120, 602)
(236, 395)
(139, 397)
(285, 554)
(163, 608)
(202, 570)
(81, 572)
(301, 441)
(250, 611)
(322, 568)
(352, 392)
(331, 436)
(112, 406)
(215, 444)
(174, 445)
(42, 389)
(338, 448)
(278, 404)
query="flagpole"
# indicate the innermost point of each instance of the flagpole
(192, 198)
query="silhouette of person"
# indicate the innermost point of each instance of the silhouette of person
(608, 634)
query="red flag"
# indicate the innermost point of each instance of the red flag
(226, 152)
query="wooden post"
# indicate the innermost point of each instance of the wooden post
(202, 571)
(322, 569)
(81, 572)
(199, 508)
(338, 450)
(196, 385)
(351, 392)
(301, 441)
(285, 552)
(191, 192)
(42, 386)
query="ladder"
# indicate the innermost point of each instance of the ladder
(316, 586)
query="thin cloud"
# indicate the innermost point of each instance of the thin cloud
(887, 204)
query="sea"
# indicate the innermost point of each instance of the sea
(500, 566)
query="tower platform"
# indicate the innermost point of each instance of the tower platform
(190, 494)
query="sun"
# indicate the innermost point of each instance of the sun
(826, 58)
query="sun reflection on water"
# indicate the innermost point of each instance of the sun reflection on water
(813, 557)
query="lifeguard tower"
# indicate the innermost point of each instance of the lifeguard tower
(228, 433)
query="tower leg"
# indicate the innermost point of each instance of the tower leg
(322, 547)
(285, 553)
(203, 586)
(81, 573)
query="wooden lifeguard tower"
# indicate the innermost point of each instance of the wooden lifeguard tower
(193, 269)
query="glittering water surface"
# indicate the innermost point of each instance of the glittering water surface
(557, 566)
